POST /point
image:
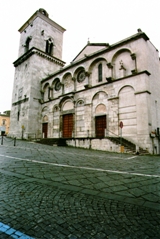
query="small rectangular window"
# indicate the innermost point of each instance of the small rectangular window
(3, 121)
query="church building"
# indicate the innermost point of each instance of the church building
(107, 92)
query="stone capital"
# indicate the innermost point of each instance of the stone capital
(110, 66)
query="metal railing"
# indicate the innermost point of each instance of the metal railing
(6, 139)
(119, 139)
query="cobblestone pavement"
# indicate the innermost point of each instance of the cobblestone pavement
(60, 192)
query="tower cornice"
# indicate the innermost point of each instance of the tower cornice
(35, 50)
(42, 16)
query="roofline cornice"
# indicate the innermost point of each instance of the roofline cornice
(109, 48)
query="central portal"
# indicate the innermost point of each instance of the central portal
(67, 125)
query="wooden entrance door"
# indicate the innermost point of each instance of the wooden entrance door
(67, 126)
(100, 126)
(45, 130)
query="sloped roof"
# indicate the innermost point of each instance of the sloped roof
(90, 48)
(43, 15)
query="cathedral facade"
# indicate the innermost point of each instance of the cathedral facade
(107, 91)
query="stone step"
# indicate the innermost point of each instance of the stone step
(129, 146)
(53, 141)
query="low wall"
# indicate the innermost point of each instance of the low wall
(97, 144)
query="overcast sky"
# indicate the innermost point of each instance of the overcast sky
(99, 20)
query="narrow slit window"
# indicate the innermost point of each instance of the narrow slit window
(100, 72)
(49, 46)
(18, 115)
(27, 43)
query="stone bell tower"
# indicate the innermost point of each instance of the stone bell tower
(40, 54)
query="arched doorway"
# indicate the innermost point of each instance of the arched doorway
(45, 127)
(99, 114)
(100, 121)
(67, 119)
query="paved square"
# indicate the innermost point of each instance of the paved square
(62, 192)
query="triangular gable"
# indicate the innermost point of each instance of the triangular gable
(89, 49)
